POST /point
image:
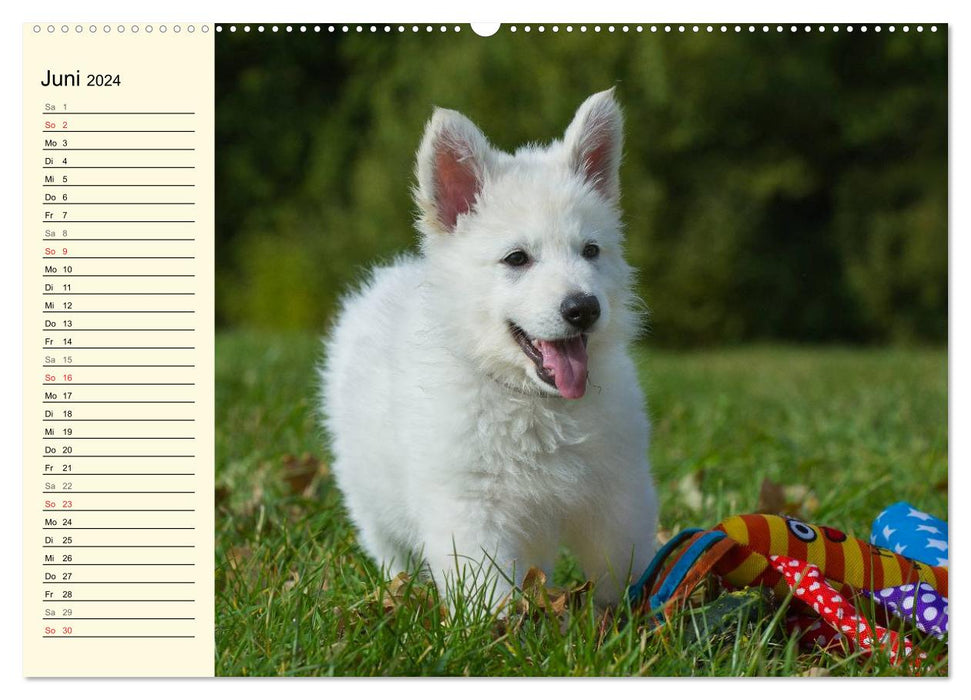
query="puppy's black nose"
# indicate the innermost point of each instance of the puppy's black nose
(580, 310)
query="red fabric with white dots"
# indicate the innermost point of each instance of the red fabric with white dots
(809, 586)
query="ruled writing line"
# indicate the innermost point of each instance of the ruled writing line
(55, 113)
(118, 221)
(118, 131)
(110, 204)
(66, 148)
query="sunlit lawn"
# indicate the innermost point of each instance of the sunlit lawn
(844, 432)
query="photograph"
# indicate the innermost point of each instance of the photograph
(598, 350)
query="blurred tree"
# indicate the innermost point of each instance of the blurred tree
(776, 185)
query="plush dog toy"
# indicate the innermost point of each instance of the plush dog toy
(823, 568)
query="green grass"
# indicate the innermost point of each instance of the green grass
(845, 432)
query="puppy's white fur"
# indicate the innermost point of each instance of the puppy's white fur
(448, 445)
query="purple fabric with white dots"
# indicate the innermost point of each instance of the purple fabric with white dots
(917, 603)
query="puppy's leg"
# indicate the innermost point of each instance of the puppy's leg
(388, 554)
(615, 544)
(474, 563)
(375, 535)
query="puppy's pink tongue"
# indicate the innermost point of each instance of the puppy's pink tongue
(566, 360)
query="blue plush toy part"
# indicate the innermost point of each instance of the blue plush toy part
(912, 533)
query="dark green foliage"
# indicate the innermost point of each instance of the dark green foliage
(776, 185)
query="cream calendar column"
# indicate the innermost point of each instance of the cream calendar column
(118, 350)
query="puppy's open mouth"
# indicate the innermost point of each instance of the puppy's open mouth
(561, 363)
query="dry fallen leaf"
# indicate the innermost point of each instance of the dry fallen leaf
(345, 619)
(402, 592)
(689, 488)
(792, 499)
(247, 504)
(241, 565)
(815, 672)
(237, 557)
(396, 592)
(604, 626)
(300, 472)
(772, 497)
(810, 504)
(292, 580)
(221, 494)
(534, 581)
(538, 598)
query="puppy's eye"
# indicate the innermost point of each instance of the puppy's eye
(591, 251)
(517, 258)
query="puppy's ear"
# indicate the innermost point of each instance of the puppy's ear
(450, 168)
(595, 139)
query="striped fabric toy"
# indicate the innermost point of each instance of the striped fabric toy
(850, 564)
(824, 568)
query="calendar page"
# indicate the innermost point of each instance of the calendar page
(520, 349)
(118, 349)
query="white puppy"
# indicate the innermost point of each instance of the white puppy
(480, 398)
